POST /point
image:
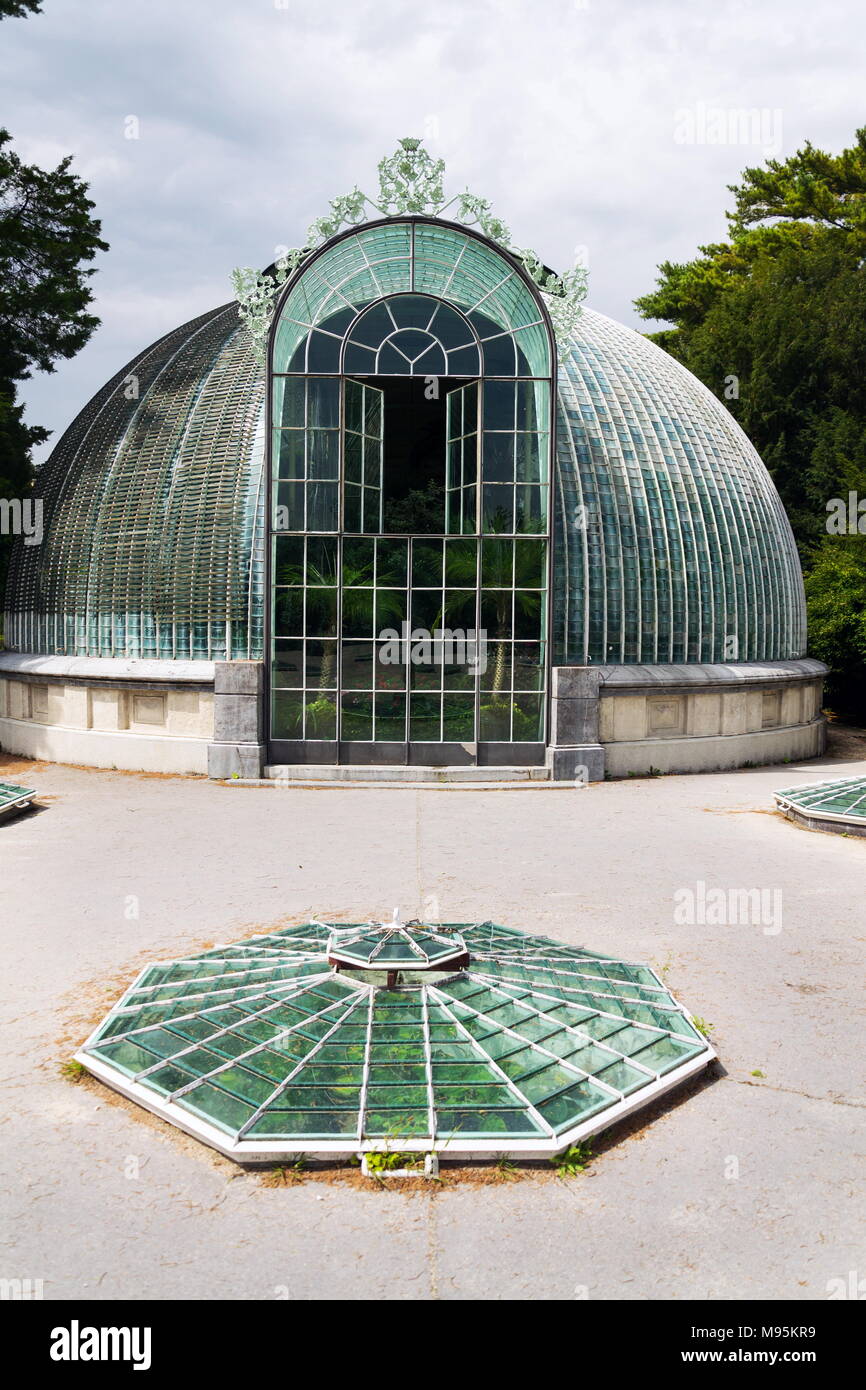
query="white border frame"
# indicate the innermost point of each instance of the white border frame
(249, 1151)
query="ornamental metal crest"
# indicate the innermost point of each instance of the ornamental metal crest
(410, 181)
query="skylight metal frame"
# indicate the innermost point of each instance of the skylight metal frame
(356, 995)
(14, 798)
(809, 801)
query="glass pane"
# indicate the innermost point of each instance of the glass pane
(495, 725)
(498, 503)
(321, 560)
(352, 507)
(287, 668)
(496, 612)
(323, 403)
(396, 1123)
(321, 612)
(356, 720)
(497, 563)
(498, 458)
(390, 718)
(288, 402)
(361, 360)
(499, 405)
(358, 562)
(357, 612)
(532, 400)
(358, 667)
(528, 614)
(288, 612)
(354, 406)
(320, 664)
(414, 310)
(577, 1103)
(323, 454)
(287, 714)
(289, 515)
(469, 510)
(530, 564)
(322, 506)
(321, 714)
(354, 458)
(323, 353)
(449, 327)
(530, 509)
(497, 668)
(531, 458)
(461, 563)
(390, 670)
(499, 356)
(373, 326)
(458, 719)
(528, 666)
(527, 723)
(426, 608)
(424, 675)
(425, 719)
(391, 610)
(289, 560)
(391, 556)
(427, 563)
(289, 453)
(464, 362)
(459, 609)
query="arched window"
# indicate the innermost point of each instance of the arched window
(411, 377)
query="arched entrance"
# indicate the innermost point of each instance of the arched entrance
(411, 375)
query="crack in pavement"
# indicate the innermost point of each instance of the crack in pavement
(792, 1091)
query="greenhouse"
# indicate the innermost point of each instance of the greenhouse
(407, 505)
(471, 1040)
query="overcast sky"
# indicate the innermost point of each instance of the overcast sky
(609, 125)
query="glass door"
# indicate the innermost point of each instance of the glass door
(364, 462)
(461, 432)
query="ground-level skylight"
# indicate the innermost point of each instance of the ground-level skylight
(839, 805)
(14, 798)
(276, 1046)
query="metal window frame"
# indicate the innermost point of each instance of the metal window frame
(495, 752)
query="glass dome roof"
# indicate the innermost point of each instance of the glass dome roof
(671, 542)
(265, 1049)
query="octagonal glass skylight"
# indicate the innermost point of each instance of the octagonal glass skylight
(13, 798)
(288, 1043)
(840, 804)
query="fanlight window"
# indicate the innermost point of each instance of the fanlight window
(412, 335)
(337, 297)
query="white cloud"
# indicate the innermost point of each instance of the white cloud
(252, 117)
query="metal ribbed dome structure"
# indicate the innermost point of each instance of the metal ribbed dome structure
(153, 509)
(674, 545)
(671, 541)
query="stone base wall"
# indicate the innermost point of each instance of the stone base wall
(706, 718)
(206, 717)
(610, 721)
(134, 716)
